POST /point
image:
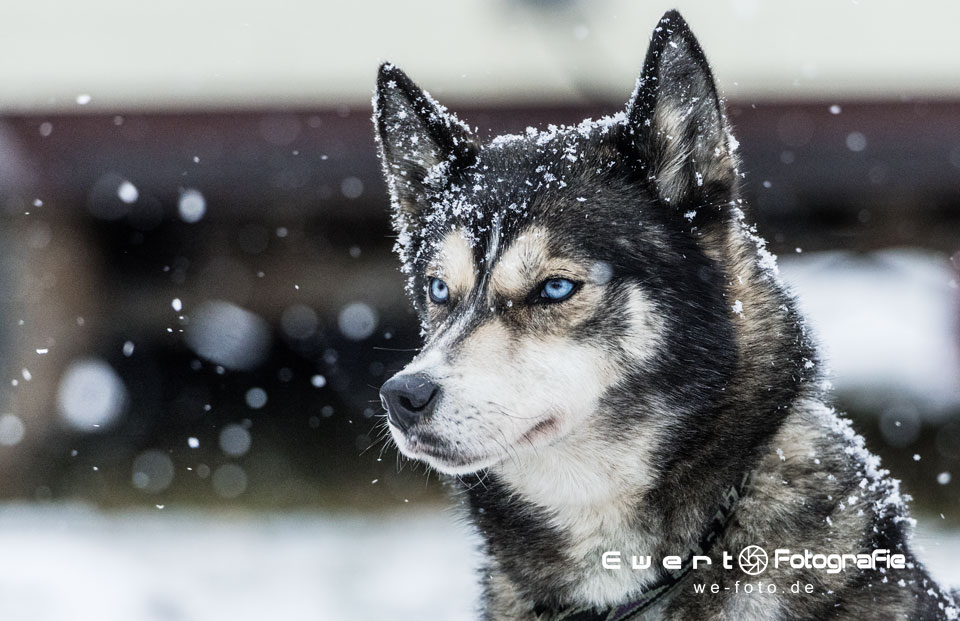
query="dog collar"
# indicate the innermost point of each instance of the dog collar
(632, 609)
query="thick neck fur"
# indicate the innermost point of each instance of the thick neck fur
(547, 516)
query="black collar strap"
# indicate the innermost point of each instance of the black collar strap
(633, 608)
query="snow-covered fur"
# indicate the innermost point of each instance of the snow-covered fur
(616, 419)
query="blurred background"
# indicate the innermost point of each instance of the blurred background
(200, 301)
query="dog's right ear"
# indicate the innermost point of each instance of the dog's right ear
(677, 125)
(419, 143)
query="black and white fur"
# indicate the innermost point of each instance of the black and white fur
(616, 419)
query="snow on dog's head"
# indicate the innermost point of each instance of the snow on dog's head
(542, 264)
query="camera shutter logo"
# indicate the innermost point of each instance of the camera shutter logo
(753, 560)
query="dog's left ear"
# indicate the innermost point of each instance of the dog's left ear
(419, 143)
(676, 121)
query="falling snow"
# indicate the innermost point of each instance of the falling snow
(91, 395)
(127, 192)
(12, 430)
(192, 206)
(235, 441)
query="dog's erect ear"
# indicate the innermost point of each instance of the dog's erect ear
(677, 122)
(419, 142)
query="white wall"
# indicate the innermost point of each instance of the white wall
(229, 53)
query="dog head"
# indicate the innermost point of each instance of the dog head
(567, 279)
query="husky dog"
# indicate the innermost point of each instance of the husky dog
(613, 367)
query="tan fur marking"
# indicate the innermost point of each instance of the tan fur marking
(454, 263)
(521, 263)
(669, 124)
(642, 341)
(527, 262)
(488, 346)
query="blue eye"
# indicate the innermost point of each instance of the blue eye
(557, 290)
(439, 292)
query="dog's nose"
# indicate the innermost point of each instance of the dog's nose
(408, 398)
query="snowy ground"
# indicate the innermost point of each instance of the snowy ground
(887, 325)
(71, 562)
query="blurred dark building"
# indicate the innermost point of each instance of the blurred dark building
(202, 306)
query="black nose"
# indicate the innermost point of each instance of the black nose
(408, 398)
